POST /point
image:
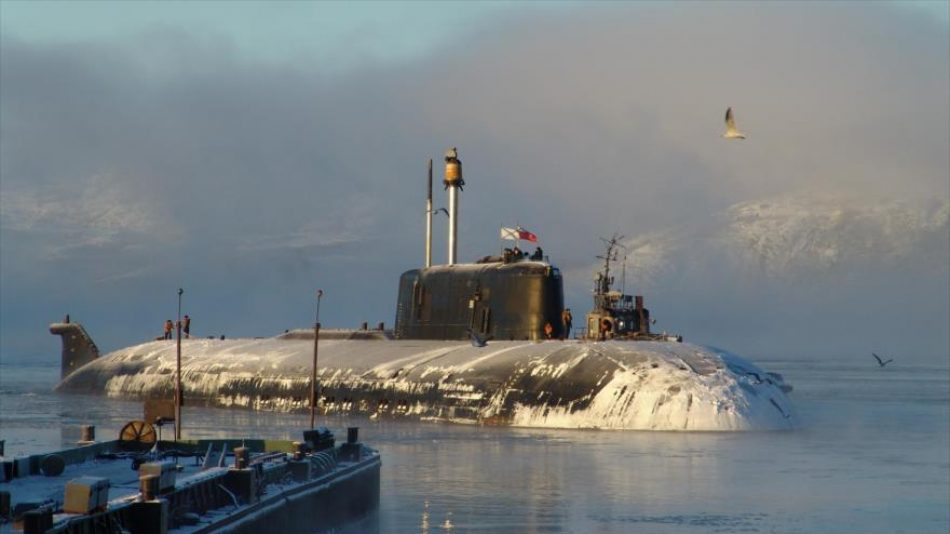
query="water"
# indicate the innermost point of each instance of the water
(873, 456)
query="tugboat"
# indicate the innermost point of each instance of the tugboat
(616, 315)
(480, 342)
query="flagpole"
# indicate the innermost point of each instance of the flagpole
(501, 228)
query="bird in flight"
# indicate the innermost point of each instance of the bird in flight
(881, 362)
(442, 210)
(731, 131)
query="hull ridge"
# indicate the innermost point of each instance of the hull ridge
(562, 384)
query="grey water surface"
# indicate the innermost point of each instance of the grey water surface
(873, 455)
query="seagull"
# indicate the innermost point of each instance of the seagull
(881, 362)
(477, 340)
(731, 131)
(442, 210)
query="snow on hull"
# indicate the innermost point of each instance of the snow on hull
(611, 385)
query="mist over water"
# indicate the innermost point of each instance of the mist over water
(873, 455)
(137, 163)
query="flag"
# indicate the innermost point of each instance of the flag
(527, 236)
(518, 233)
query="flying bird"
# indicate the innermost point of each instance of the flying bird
(881, 362)
(443, 210)
(731, 131)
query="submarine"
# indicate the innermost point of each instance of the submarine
(474, 343)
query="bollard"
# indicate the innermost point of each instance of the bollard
(148, 486)
(241, 457)
(88, 434)
(298, 448)
(351, 450)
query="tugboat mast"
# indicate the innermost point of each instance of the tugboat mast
(604, 281)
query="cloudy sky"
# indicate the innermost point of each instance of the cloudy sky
(254, 152)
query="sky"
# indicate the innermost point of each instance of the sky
(251, 153)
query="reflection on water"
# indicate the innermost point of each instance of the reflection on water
(874, 456)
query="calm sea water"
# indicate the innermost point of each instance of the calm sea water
(873, 455)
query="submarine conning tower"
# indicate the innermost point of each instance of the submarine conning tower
(511, 296)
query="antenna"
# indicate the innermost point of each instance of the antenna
(605, 281)
(623, 280)
(429, 219)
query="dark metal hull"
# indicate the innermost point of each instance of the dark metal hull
(570, 384)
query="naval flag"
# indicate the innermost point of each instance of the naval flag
(518, 233)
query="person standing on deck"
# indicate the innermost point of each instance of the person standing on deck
(567, 321)
(186, 326)
(169, 326)
(608, 328)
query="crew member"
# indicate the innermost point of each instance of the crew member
(186, 326)
(605, 327)
(169, 326)
(567, 321)
(548, 330)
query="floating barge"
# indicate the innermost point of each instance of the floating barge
(211, 485)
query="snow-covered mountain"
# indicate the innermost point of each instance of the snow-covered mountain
(790, 237)
(800, 274)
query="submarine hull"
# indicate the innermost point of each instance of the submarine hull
(559, 384)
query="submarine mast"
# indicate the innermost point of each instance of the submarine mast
(429, 219)
(453, 182)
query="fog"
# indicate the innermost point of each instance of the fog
(131, 167)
